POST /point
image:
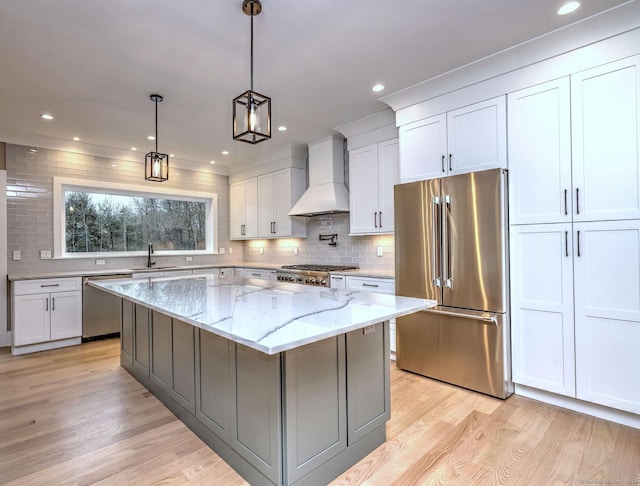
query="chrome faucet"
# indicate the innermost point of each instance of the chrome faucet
(149, 253)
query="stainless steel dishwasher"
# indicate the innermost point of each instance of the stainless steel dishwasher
(100, 310)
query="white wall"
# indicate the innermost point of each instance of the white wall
(5, 339)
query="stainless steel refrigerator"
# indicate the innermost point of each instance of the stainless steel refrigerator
(451, 246)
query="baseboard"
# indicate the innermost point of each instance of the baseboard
(33, 348)
(600, 411)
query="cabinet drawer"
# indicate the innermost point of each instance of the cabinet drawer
(212, 271)
(24, 287)
(380, 285)
(255, 273)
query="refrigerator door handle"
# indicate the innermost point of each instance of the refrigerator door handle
(488, 318)
(435, 245)
(447, 243)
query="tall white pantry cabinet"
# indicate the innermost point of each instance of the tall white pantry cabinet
(574, 205)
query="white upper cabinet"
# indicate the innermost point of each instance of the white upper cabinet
(605, 108)
(465, 140)
(423, 146)
(243, 211)
(277, 193)
(373, 171)
(540, 154)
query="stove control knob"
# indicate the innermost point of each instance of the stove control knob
(292, 279)
(323, 282)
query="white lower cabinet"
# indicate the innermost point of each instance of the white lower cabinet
(378, 285)
(575, 291)
(258, 273)
(47, 313)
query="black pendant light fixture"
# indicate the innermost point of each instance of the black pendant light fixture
(251, 110)
(156, 165)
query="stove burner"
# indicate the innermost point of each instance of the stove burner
(320, 268)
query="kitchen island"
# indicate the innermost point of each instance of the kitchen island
(289, 384)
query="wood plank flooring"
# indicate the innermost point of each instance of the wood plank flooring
(73, 416)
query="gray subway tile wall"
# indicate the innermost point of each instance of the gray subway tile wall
(30, 219)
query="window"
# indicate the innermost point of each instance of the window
(95, 218)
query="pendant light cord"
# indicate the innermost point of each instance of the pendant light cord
(252, 48)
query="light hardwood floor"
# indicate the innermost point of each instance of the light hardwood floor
(73, 416)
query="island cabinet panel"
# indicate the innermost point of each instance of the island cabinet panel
(173, 359)
(215, 379)
(141, 341)
(161, 350)
(126, 333)
(315, 401)
(368, 405)
(257, 429)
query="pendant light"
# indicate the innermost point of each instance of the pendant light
(156, 165)
(251, 110)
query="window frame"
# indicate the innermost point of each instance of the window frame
(62, 184)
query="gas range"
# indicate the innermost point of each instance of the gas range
(317, 275)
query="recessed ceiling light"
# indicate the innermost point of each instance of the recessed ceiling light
(33, 151)
(225, 152)
(212, 162)
(568, 8)
(176, 173)
(151, 137)
(377, 87)
(46, 116)
(172, 155)
(134, 149)
(76, 139)
(282, 128)
(114, 165)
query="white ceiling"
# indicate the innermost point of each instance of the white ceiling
(93, 64)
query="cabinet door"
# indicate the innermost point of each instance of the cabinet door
(605, 133)
(607, 307)
(31, 319)
(161, 351)
(66, 315)
(236, 210)
(266, 209)
(142, 332)
(540, 154)
(283, 202)
(183, 388)
(126, 332)
(363, 190)
(251, 208)
(423, 145)
(477, 137)
(542, 330)
(389, 175)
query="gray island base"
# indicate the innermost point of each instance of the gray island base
(299, 417)
(289, 384)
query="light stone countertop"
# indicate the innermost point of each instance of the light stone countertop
(268, 316)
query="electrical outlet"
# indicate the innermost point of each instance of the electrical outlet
(100, 262)
(379, 251)
(45, 254)
(17, 255)
(295, 250)
(230, 251)
(188, 259)
(222, 251)
(262, 250)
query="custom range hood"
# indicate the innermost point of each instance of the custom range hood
(326, 193)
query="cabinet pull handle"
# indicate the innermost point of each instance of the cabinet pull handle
(274, 227)
(565, 202)
(380, 218)
(336, 278)
(50, 285)
(578, 243)
(370, 285)
(53, 303)
(577, 201)
(47, 304)
(443, 163)
(255, 274)
(450, 168)
(375, 219)
(566, 243)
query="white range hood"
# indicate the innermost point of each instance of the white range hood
(326, 193)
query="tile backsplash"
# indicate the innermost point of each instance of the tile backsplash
(30, 175)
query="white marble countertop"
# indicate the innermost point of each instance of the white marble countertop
(268, 316)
